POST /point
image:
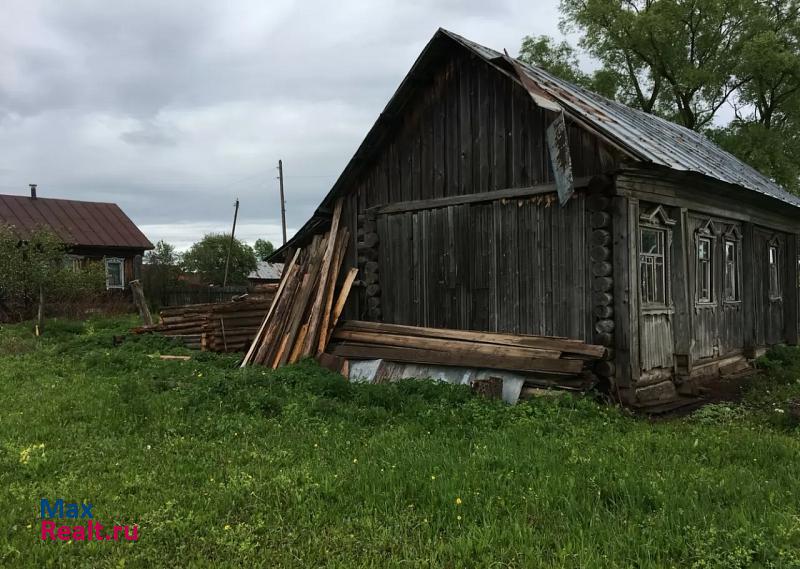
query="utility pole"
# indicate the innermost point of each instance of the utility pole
(283, 200)
(230, 244)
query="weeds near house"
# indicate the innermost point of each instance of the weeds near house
(294, 468)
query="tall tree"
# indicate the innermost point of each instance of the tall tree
(676, 58)
(207, 257)
(686, 59)
(263, 248)
(164, 254)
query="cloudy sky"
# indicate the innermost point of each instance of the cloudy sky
(173, 109)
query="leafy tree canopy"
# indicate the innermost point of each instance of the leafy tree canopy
(164, 254)
(263, 248)
(687, 59)
(207, 257)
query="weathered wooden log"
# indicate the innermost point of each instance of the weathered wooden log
(606, 339)
(371, 267)
(374, 313)
(602, 284)
(373, 290)
(371, 278)
(141, 302)
(605, 326)
(371, 240)
(602, 269)
(600, 219)
(603, 312)
(601, 237)
(599, 254)
(602, 298)
(374, 302)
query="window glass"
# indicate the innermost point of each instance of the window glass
(774, 280)
(704, 270)
(114, 276)
(652, 266)
(731, 271)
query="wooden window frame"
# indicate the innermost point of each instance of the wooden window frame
(776, 291)
(110, 260)
(704, 271)
(732, 237)
(706, 233)
(658, 221)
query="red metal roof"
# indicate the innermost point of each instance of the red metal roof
(77, 223)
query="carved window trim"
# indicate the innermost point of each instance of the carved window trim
(655, 289)
(705, 281)
(108, 261)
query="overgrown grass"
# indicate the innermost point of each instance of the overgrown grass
(297, 468)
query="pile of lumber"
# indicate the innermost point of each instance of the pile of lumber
(217, 327)
(306, 306)
(547, 361)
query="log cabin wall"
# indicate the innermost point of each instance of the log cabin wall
(516, 265)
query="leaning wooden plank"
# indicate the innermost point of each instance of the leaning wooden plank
(298, 346)
(341, 247)
(300, 307)
(277, 318)
(310, 343)
(280, 352)
(342, 299)
(443, 345)
(573, 347)
(415, 355)
(254, 346)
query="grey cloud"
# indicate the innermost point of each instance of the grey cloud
(172, 109)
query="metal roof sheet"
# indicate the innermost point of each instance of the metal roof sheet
(647, 137)
(267, 271)
(77, 223)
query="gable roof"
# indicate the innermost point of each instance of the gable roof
(77, 223)
(643, 137)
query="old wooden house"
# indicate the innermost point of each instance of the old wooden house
(91, 231)
(491, 195)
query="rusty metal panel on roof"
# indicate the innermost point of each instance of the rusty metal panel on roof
(560, 161)
(77, 223)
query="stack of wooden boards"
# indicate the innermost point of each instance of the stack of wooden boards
(217, 327)
(302, 317)
(548, 361)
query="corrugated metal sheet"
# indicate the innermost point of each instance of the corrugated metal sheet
(647, 137)
(267, 271)
(77, 223)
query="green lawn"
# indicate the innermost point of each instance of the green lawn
(297, 468)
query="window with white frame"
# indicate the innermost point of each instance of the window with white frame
(774, 272)
(115, 273)
(705, 270)
(731, 271)
(652, 265)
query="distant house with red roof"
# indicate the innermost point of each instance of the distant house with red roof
(92, 231)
